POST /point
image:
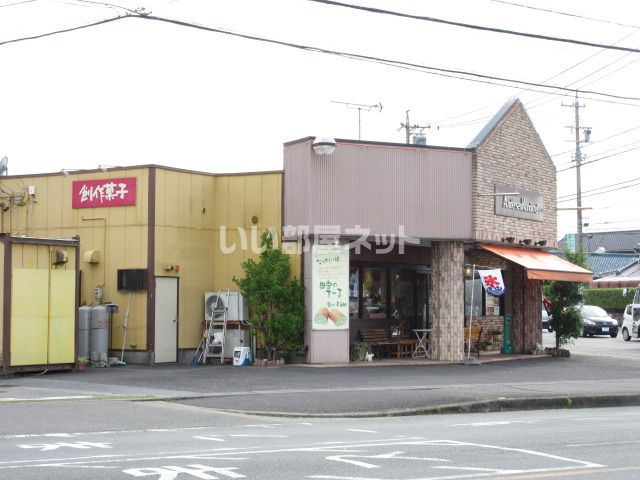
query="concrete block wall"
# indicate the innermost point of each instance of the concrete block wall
(513, 154)
(448, 301)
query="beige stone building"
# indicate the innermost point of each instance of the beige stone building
(419, 222)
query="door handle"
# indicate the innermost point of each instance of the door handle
(175, 319)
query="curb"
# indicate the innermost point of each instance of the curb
(485, 406)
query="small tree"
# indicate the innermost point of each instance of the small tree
(565, 297)
(275, 300)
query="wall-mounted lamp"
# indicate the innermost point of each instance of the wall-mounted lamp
(509, 239)
(467, 271)
(541, 243)
(526, 241)
(324, 145)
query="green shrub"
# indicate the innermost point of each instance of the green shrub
(611, 299)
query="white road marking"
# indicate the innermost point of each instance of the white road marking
(359, 430)
(213, 438)
(489, 424)
(253, 435)
(45, 447)
(45, 399)
(602, 443)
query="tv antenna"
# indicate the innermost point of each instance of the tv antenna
(360, 107)
(420, 138)
(4, 168)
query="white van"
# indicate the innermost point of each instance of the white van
(631, 322)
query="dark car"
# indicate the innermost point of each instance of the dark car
(596, 321)
(545, 321)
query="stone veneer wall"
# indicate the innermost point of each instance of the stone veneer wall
(513, 154)
(448, 301)
(491, 330)
(527, 307)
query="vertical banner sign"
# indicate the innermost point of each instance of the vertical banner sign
(330, 294)
(492, 282)
(110, 192)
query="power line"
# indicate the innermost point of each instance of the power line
(475, 26)
(548, 10)
(444, 72)
(601, 140)
(605, 151)
(65, 30)
(600, 188)
(16, 3)
(601, 193)
(598, 159)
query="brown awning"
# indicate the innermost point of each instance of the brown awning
(541, 265)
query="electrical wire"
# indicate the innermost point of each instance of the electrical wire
(603, 152)
(582, 17)
(16, 3)
(600, 188)
(598, 159)
(444, 72)
(472, 26)
(601, 193)
(598, 141)
(64, 30)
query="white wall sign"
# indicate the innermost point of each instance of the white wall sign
(330, 290)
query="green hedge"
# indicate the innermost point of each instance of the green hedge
(608, 298)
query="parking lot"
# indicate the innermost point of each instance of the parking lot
(599, 345)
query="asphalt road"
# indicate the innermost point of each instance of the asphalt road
(575, 444)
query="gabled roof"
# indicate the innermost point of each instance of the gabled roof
(493, 123)
(620, 242)
(609, 264)
(632, 270)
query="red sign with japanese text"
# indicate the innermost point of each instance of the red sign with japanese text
(110, 192)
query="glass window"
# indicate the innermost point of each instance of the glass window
(374, 293)
(354, 287)
(491, 305)
(477, 297)
(403, 308)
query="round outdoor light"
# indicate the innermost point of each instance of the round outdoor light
(324, 145)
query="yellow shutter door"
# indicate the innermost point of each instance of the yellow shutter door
(62, 300)
(29, 316)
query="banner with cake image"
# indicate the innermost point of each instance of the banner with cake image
(330, 280)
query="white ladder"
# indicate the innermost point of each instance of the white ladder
(216, 331)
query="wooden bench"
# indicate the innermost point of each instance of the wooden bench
(379, 339)
(476, 333)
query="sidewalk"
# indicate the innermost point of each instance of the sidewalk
(383, 387)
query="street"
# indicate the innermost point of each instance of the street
(585, 444)
(175, 422)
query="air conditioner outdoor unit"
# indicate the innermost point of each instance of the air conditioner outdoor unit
(216, 302)
(214, 305)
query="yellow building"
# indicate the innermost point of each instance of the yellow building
(188, 233)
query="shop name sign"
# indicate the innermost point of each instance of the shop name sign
(110, 192)
(526, 204)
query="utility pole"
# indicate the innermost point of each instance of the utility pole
(409, 129)
(578, 158)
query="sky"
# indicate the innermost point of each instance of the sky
(139, 91)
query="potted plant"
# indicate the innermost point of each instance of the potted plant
(359, 351)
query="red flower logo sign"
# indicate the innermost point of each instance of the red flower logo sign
(492, 281)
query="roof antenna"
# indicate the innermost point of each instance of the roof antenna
(360, 107)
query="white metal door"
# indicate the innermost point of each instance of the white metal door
(166, 331)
